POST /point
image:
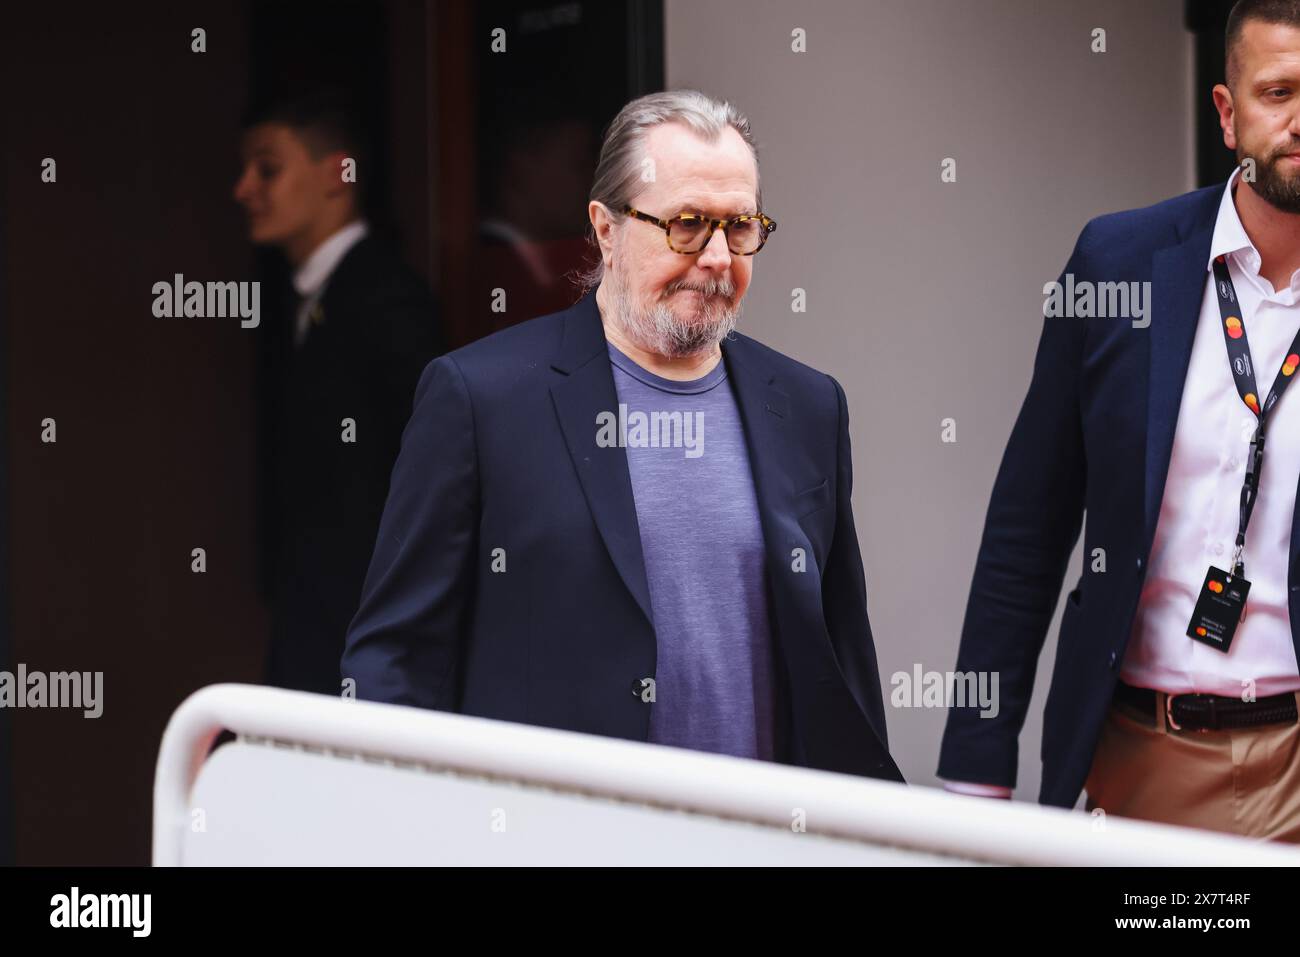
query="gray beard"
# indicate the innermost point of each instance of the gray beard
(1271, 186)
(660, 331)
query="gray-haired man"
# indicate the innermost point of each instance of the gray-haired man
(624, 518)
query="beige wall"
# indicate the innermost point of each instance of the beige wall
(925, 298)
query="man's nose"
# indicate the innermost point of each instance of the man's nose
(715, 254)
(240, 191)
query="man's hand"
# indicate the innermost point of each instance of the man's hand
(978, 790)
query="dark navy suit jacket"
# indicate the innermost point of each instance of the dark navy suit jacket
(501, 453)
(1094, 436)
(321, 498)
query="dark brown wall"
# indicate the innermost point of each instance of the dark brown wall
(154, 416)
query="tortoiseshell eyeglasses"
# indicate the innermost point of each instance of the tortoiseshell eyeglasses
(689, 233)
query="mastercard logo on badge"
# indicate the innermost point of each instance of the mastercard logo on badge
(1200, 632)
(1216, 587)
(1234, 326)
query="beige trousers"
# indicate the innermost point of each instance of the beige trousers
(1244, 781)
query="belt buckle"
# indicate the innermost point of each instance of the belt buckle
(1169, 714)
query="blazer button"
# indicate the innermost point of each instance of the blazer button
(1139, 564)
(1113, 657)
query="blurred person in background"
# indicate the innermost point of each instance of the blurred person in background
(337, 375)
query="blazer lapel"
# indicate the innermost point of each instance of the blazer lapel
(769, 421)
(1178, 275)
(586, 389)
(822, 702)
(1292, 577)
(765, 413)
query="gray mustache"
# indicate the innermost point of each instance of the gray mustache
(714, 288)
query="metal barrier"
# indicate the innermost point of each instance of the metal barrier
(319, 780)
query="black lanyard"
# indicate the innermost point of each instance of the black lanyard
(1243, 373)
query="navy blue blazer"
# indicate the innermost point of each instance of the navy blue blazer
(1094, 436)
(501, 453)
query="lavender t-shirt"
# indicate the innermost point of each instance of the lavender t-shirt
(702, 543)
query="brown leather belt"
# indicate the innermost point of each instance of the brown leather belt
(1210, 712)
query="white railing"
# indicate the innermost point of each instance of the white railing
(751, 804)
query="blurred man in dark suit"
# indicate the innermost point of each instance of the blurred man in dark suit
(530, 236)
(337, 376)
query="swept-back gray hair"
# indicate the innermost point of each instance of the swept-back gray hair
(618, 172)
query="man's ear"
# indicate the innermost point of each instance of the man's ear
(337, 172)
(1223, 103)
(603, 224)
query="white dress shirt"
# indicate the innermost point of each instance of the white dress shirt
(310, 278)
(1197, 526)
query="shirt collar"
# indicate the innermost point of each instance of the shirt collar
(1229, 235)
(311, 275)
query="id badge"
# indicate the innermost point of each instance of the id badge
(1218, 609)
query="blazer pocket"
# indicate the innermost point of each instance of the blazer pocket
(812, 499)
